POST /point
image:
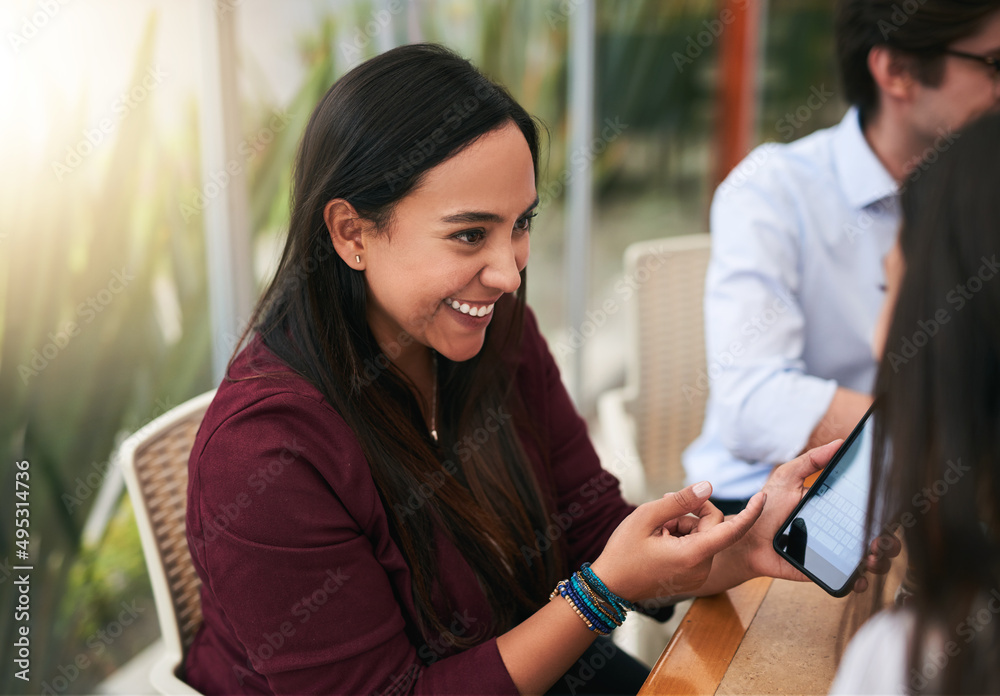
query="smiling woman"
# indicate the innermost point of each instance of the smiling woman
(430, 460)
(437, 278)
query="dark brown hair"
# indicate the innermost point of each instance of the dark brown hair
(918, 28)
(937, 437)
(370, 140)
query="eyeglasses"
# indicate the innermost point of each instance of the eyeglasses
(991, 61)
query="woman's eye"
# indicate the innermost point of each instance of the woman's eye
(471, 236)
(524, 224)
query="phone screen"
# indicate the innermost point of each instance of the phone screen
(825, 536)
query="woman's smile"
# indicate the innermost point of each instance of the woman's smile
(472, 309)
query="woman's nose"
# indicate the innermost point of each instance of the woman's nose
(502, 271)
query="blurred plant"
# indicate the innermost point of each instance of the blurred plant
(104, 325)
(103, 297)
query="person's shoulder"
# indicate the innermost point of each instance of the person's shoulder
(875, 659)
(274, 447)
(783, 167)
(263, 406)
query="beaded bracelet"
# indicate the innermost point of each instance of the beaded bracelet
(588, 609)
(561, 590)
(592, 579)
(612, 612)
(599, 608)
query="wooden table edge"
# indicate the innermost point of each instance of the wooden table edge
(702, 648)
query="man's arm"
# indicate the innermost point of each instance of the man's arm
(843, 414)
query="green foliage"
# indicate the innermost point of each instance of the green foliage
(87, 356)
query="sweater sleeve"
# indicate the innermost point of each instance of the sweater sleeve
(296, 552)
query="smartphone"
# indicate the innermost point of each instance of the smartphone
(824, 537)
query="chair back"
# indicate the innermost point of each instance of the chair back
(154, 462)
(666, 375)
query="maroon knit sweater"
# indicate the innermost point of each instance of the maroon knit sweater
(304, 589)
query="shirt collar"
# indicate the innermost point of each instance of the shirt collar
(863, 178)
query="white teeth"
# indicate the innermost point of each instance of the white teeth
(466, 308)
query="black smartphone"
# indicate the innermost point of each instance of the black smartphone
(824, 537)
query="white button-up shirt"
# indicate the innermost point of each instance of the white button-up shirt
(791, 298)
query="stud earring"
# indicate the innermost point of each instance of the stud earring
(358, 258)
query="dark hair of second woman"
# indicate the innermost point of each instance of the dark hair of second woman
(939, 406)
(369, 141)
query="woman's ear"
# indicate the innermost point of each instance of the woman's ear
(346, 230)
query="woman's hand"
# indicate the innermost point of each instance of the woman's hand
(666, 546)
(785, 488)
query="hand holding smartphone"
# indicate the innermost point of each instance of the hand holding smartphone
(824, 537)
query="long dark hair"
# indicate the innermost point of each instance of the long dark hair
(370, 140)
(938, 404)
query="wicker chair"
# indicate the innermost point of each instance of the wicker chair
(659, 412)
(154, 462)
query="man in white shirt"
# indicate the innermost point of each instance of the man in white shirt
(795, 280)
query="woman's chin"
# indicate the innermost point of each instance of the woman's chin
(460, 351)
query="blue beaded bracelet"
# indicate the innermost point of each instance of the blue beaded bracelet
(600, 608)
(592, 579)
(613, 613)
(593, 613)
(563, 589)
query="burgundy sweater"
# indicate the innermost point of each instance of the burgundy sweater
(304, 589)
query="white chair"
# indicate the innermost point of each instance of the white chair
(646, 424)
(649, 422)
(154, 462)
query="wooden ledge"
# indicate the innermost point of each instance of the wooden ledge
(701, 650)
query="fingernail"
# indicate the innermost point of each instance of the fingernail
(702, 489)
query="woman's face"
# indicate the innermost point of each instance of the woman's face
(455, 245)
(894, 268)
